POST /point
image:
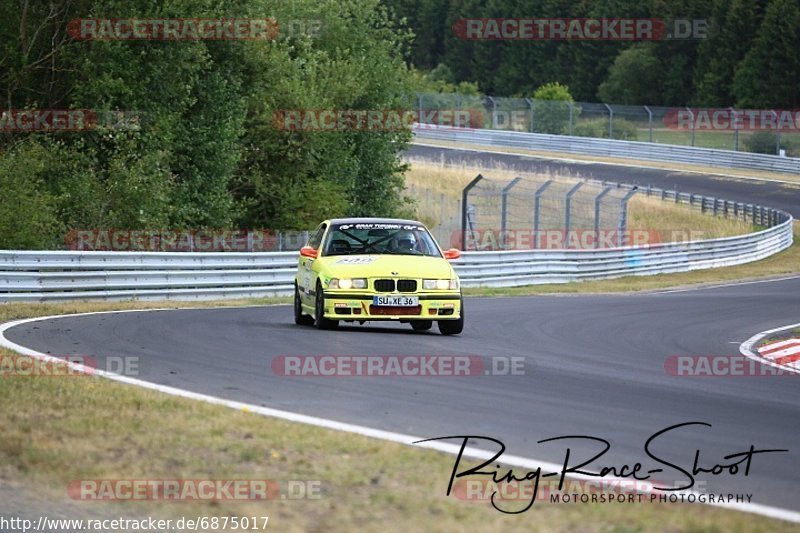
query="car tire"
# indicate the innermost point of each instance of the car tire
(452, 327)
(299, 318)
(320, 322)
(421, 325)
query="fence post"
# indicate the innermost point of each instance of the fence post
(571, 107)
(530, 104)
(504, 211)
(694, 126)
(568, 204)
(598, 199)
(494, 112)
(623, 216)
(536, 197)
(649, 122)
(464, 208)
(777, 134)
(610, 121)
(735, 130)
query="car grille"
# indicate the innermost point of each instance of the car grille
(388, 285)
(407, 285)
(384, 285)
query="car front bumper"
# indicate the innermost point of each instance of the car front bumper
(358, 306)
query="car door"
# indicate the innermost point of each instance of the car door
(306, 274)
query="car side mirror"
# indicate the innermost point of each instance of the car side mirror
(308, 251)
(451, 254)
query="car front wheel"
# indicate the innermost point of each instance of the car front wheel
(452, 327)
(421, 325)
(320, 322)
(299, 318)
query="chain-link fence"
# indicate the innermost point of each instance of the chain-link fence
(726, 129)
(541, 213)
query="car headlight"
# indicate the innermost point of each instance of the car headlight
(440, 284)
(348, 283)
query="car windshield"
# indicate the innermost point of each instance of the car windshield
(380, 238)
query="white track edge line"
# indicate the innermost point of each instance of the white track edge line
(400, 438)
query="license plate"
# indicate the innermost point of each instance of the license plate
(396, 301)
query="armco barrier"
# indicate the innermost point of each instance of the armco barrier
(52, 276)
(609, 148)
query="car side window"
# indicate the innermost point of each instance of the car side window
(316, 239)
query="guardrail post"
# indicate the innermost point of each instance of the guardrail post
(677, 196)
(568, 206)
(536, 197)
(597, 200)
(715, 205)
(649, 122)
(504, 211)
(623, 216)
(649, 189)
(464, 207)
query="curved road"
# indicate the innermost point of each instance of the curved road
(594, 365)
(772, 194)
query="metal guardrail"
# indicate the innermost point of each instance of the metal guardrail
(52, 276)
(610, 148)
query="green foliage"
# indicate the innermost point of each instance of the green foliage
(551, 108)
(742, 54)
(598, 127)
(634, 78)
(441, 80)
(769, 75)
(206, 152)
(27, 212)
(762, 142)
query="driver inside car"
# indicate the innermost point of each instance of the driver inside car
(404, 243)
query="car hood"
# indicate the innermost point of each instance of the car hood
(374, 265)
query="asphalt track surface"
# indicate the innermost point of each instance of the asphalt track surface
(766, 193)
(594, 366)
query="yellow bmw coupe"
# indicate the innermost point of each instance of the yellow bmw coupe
(364, 269)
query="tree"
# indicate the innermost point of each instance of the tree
(551, 109)
(633, 79)
(769, 75)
